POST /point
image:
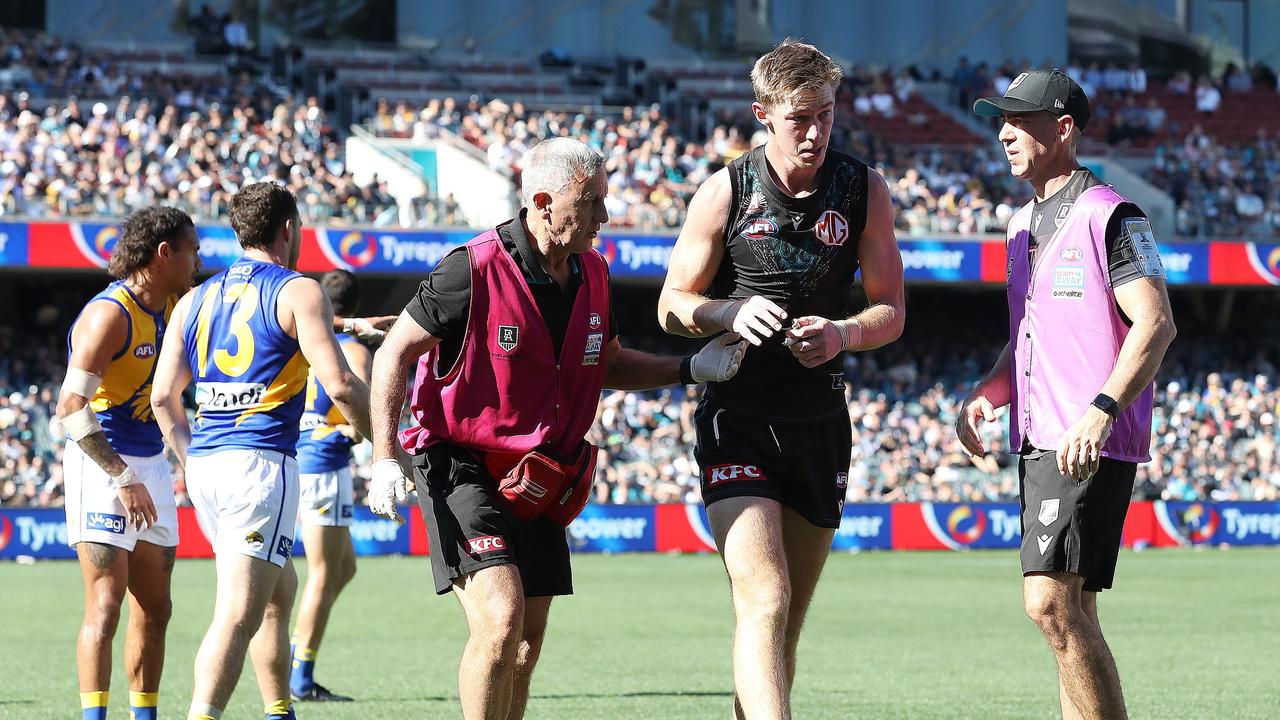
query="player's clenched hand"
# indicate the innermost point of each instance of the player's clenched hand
(388, 488)
(139, 510)
(1079, 452)
(755, 318)
(974, 408)
(814, 340)
(719, 359)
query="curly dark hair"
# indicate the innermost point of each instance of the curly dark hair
(140, 236)
(259, 210)
(343, 290)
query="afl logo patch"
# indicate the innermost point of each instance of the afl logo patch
(831, 228)
(594, 320)
(1071, 254)
(144, 351)
(760, 228)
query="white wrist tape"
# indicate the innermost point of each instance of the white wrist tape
(81, 423)
(125, 478)
(82, 383)
(847, 335)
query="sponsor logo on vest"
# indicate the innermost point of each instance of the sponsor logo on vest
(1043, 541)
(229, 395)
(591, 356)
(760, 228)
(831, 228)
(1068, 282)
(508, 337)
(104, 521)
(717, 474)
(144, 351)
(254, 538)
(486, 543)
(285, 546)
(593, 321)
(842, 479)
(1071, 254)
(532, 489)
(1048, 511)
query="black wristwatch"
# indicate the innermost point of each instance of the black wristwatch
(1107, 404)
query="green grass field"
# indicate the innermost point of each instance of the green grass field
(891, 635)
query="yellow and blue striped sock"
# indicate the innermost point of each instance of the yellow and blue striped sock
(279, 710)
(93, 705)
(303, 673)
(142, 705)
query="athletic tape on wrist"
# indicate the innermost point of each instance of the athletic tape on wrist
(81, 423)
(82, 383)
(722, 312)
(126, 478)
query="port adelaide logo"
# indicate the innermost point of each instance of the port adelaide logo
(508, 337)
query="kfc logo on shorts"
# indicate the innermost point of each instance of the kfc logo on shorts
(487, 543)
(831, 228)
(717, 474)
(508, 337)
(144, 351)
(285, 546)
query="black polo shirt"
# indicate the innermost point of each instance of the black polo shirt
(443, 301)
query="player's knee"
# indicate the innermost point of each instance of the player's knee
(157, 611)
(497, 624)
(348, 570)
(103, 616)
(1051, 614)
(763, 601)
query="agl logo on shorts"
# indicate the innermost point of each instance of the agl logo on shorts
(717, 474)
(486, 543)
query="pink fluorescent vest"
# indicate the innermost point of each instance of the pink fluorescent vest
(1065, 331)
(506, 393)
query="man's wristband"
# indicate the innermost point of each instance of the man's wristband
(1107, 404)
(126, 478)
(686, 371)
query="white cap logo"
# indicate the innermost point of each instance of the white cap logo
(1017, 81)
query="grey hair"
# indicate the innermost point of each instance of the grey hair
(552, 164)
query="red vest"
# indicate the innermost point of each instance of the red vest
(505, 393)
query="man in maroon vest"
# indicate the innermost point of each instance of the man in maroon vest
(513, 338)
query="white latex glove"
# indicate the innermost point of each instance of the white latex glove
(364, 330)
(756, 318)
(388, 488)
(719, 359)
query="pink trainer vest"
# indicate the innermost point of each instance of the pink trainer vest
(1065, 331)
(506, 393)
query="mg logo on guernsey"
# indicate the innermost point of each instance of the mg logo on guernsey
(357, 249)
(831, 228)
(486, 543)
(717, 474)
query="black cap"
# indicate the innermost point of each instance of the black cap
(1052, 91)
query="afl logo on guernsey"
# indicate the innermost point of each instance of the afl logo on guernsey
(760, 228)
(357, 249)
(831, 228)
(144, 351)
(594, 320)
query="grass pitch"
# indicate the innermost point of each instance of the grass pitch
(890, 635)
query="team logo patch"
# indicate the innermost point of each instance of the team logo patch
(1068, 282)
(593, 321)
(347, 511)
(1062, 214)
(1048, 511)
(831, 228)
(837, 381)
(254, 538)
(285, 546)
(1071, 254)
(842, 480)
(760, 228)
(144, 351)
(1144, 241)
(591, 356)
(508, 337)
(717, 474)
(1016, 82)
(1043, 541)
(486, 543)
(104, 521)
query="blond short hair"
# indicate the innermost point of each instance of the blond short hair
(792, 67)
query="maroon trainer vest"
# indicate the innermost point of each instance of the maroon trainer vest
(506, 393)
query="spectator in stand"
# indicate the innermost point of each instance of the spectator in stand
(234, 33)
(1136, 79)
(1237, 79)
(1208, 98)
(1180, 83)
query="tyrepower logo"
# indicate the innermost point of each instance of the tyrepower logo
(1243, 525)
(486, 543)
(717, 474)
(104, 521)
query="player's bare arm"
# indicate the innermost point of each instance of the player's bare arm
(683, 309)
(173, 374)
(99, 334)
(307, 314)
(1145, 302)
(815, 340)
(360, 360)
(627, 369)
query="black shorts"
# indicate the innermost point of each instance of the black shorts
(469, 529)
(1069, 526)
(804, 465)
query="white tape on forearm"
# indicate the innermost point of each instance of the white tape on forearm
(82, 383)
(81, 423)
(125, 478)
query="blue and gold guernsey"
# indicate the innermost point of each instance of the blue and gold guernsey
(123, 402)
(250, 375)
(321, 448)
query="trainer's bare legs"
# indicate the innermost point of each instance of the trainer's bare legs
(1089, 685)
(773, 558)
(534, 629)
(493, 600)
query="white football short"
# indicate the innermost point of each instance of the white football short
(94, 512)
(327, 498)
(246, 501)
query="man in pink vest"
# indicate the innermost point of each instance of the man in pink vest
(513, 339)
(1089, 323)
